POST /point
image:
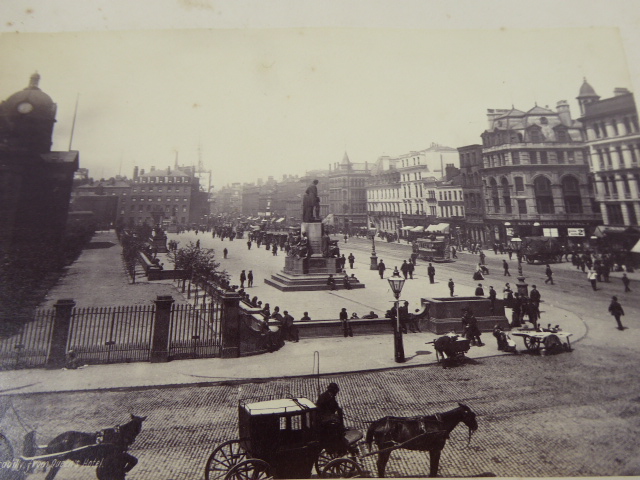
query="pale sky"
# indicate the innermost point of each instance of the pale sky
(265, 101)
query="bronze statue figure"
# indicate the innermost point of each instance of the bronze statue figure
(311, 204)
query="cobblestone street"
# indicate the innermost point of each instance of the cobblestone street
(572, 414)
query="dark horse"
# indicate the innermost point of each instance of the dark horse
(422, 433)
(108, 451)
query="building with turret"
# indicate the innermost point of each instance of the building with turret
(348, 194)
(613, 138)
(35, 182)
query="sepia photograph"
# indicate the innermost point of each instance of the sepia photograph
(253, 240)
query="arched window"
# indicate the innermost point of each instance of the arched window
(495, 196)
(544, 197)
(506, 194)
(571, 195)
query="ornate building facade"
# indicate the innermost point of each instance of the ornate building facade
(613, 138)
(474, 230)
(348, 194)
(536, 175)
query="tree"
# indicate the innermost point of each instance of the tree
(198, 263)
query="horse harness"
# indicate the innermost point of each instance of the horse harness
(424, 427)
(109, 436)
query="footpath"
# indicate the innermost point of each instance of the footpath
(97, 278)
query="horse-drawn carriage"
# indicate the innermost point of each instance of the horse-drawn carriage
(106, 450)
(452, 347)
(282, 438)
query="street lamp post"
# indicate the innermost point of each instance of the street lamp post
(396, 282)
(374, 256)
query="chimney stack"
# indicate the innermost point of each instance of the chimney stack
(620, 91)
(564, 112)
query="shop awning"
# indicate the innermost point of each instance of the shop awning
(442, 228)
(636, 247)
(255, 228)
(418, 229)
(406, 228)
(280, 220)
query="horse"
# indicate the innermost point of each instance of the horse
(113, 460)
(421, 433)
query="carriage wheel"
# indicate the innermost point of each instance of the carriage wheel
(252, 469)
(342, 468)
(223, 459)
(532, 344)
(324, 458)
(552, 344)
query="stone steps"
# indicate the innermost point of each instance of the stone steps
(288, 282)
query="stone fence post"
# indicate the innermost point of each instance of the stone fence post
(161, 329)
(230, 325)
(60, 333)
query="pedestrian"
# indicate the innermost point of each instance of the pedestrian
(593, 278)
(414, 323)
(479, 291)
(381, 268)
(404, 268)
(225, 252)
(510, 252)
(274, 249)
(431, 271)
(277, 316)
(250, 278)
(249, 244)
(453, 252)
(305, 317)
(482, 257)
(505, 265)
(470, 327)
(492, 299)
(403, 311)
(516, 310)
(346, 325)
(345, 282)
(626, 281)
(243, 277)
(331, 282)
(352, 259)
(452, 286)
(616, 310)
(549, 273)
(534, 296)
(343, 262)
(412, 267)
(289, 330)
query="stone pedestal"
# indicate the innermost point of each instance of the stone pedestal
(158, 242)
(314, 235)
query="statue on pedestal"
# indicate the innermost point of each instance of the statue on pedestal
(311, 204)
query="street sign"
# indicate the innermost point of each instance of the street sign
(509, 231)
(550, 232)
(575, 232)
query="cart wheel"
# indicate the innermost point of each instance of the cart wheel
(552, 344)
(252, 469)
(532, 344)
(223, 459)
(324, 458)
(342, 468)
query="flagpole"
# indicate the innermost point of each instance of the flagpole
(73, 125)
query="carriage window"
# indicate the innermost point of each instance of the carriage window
(296, 422)
(283, 423)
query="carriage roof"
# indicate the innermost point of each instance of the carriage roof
(278, 406)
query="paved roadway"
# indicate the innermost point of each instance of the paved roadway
(573, 414)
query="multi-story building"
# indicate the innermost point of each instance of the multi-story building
(228, 200)
(474, 229)
(161, 195)
(613, 138)
(348, 194)
(536, 175)
(104, 198)
(35, 182)
(384, 203)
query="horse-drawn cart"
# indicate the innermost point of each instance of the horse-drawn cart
(551, 341)
(281, 438)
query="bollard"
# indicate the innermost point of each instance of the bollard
(161, 329)
(60, 333)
